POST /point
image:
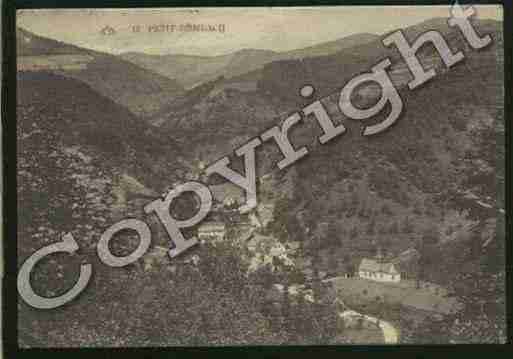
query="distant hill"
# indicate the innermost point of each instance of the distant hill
(327, 73)
(278, 83)
(192, 70)
(140, 90)
(29, 44)
(331, 47)
(443, 121)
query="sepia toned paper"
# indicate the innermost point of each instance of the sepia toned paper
(260, 176)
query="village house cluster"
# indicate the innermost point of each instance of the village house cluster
(247, 181)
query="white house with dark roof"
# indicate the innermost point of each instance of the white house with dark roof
(378, 271)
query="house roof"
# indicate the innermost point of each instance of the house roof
(135, 188)
(212, 226)
(221, 192)
(293, 245)
(371, 265)
(261, 241)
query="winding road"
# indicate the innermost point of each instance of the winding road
(389, 332)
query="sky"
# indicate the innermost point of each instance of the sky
(272, 28)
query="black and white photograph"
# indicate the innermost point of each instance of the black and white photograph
(255, 176)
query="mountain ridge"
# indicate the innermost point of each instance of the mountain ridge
(141, 90)
(190, 69)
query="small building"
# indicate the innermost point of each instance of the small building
(266, 250)
(378, 271)
(293, 246)
(214, 230)
(227, 194)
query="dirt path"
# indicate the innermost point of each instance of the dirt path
(389, 332)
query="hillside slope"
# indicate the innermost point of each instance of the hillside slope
(431, 170)
(140, 90)
(329, 73)
(76, 151)
(192, 70)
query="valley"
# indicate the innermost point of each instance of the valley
(100, 136)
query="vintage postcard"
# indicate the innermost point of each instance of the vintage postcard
(260, 176)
